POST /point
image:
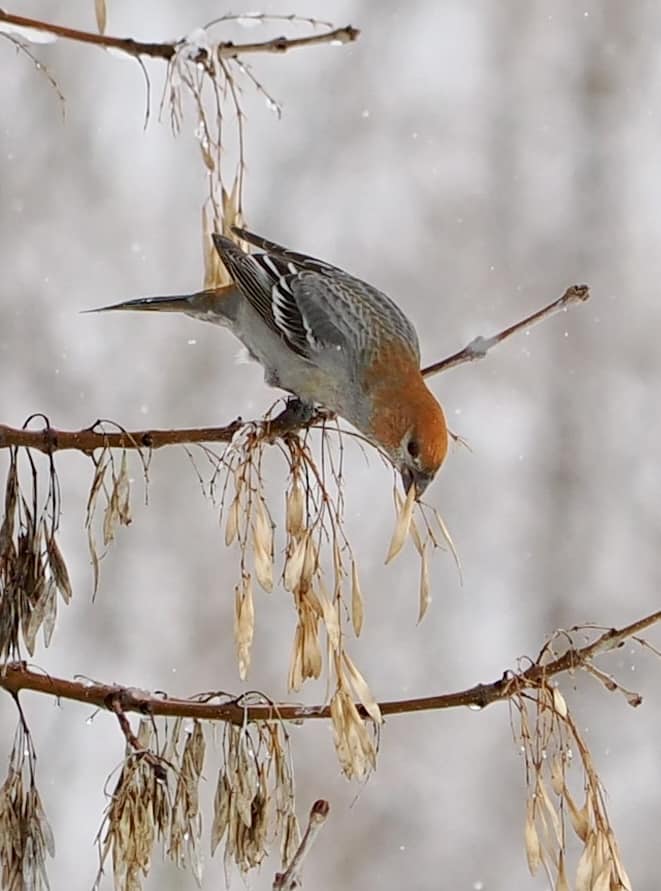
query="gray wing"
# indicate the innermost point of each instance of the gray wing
(342, 309)
(312, 305)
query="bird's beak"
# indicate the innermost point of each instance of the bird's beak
(415, 478)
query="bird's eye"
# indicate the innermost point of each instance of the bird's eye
(413, 448)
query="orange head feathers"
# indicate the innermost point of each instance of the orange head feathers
(407, 421)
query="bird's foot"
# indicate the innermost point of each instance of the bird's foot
(295, 414)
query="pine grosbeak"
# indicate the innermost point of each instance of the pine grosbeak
(329, 339)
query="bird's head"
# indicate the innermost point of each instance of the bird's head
(423, 445)
(409, 425)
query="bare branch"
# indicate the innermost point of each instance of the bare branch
(480, 346)
(292, 878)
(16, 676)
(136, 48)
(132, 741)
(49, 440)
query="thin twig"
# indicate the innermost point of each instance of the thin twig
(16, 676)
(166, 50)
(480, 346)
(292, 877)
(115, 705)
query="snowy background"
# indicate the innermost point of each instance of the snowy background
(472, 159)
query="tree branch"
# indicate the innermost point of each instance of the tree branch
(16, 676)
(225, 49)
(49, 440)
(292, 877)
(480, 346)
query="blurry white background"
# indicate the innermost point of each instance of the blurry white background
(472, 160)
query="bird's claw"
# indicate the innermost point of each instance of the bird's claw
(295, 414)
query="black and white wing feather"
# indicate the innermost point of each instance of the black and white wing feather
(313, 305)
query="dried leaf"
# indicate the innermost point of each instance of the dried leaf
(415, 535)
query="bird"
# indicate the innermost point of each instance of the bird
(328, 339)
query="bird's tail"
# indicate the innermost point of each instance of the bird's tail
(200, 303)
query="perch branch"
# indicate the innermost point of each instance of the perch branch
(49, 440)
(226, 49)
(16, 676)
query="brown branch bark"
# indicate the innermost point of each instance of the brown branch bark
(49, 440)
(480, 346)
(16, 676)
(292, 878)
(226, 49)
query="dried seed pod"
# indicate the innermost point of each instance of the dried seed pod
(603, 881)
(361, 689)
(331, 618)
(294, 563)
(311, 561)
(264, 569)
(561, 883)
(558, 775)
(559, 703)
(585, 866)
(450, 543)
(244, 624)
(402, 526)
(295, 510)
(263, 528)
(531, 838)
(425, 585)
(543, 796)
(356, 600)
(295, 674)
(58, 567)
(232, 524)
(579, 818)
(353, 743)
